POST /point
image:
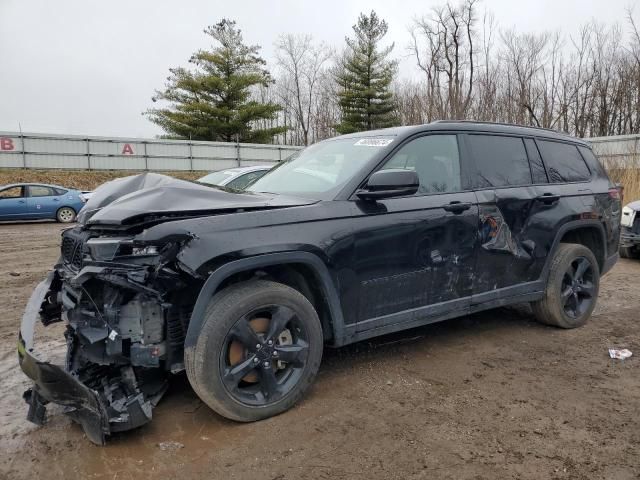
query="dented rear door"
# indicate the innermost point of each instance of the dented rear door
(512, 235)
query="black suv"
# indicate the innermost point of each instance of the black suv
(354, 237)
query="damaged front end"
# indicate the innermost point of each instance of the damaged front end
(126, 305)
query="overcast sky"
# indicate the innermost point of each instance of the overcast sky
(91, 67)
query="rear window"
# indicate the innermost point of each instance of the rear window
(563, 161)
(500, 161)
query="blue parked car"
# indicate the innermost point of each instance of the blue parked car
(30, 201)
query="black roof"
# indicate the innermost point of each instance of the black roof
(470, 126)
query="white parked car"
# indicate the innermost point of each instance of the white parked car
(630, 234)
(236, 178)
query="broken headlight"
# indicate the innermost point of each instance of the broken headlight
(106, 249)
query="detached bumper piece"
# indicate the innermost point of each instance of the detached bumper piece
(103, 393)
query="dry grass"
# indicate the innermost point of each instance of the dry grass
(78, 179)
(627, 176)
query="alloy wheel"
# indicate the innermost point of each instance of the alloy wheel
(264, 355)
(577, 287)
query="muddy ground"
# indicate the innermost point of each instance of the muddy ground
(493, 395)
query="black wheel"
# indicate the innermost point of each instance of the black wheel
(258, 352)
(572, 288)
(66, 215)
(629, 252)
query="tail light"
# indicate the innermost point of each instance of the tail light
(616, 193)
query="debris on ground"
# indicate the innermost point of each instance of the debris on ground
(170, 446)
(14, 274)
(620, 354)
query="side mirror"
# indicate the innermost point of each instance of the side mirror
(390, 183)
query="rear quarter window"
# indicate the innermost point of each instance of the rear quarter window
(563, 161)
(500, 161)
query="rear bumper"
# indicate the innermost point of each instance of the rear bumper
(628, 238)
(52, 383)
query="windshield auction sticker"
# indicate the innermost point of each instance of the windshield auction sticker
(374, 142)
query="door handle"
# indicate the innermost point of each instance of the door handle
(457, 207)
(548, 198)
(56, 199)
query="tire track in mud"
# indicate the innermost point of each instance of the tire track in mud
(494, 395)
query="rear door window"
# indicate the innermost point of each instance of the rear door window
(41, 191)
(500, 161)
(538, 172)
(563, 161)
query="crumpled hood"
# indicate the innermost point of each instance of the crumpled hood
(130, 200)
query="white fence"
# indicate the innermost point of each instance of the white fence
(35, 150)
(618, 150)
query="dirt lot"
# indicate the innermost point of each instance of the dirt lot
(489, 396)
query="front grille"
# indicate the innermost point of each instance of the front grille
(73, 248)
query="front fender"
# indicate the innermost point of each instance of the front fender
(260, 261)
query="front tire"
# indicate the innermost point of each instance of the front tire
(572, 288)
(65, 215)
(258, 351)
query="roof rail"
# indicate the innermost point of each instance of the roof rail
(500, 123)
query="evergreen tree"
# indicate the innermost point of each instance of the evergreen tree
(364, 77)
(213, 102)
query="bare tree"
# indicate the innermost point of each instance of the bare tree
(443, 45)
(301, 65)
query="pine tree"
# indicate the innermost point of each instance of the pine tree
(213, 101)
(364, 77)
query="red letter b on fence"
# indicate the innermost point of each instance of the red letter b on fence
(6, 144)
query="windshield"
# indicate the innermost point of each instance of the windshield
(319, 171)
(216, 178)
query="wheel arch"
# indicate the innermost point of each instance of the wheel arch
(590, 233)
(284, 263)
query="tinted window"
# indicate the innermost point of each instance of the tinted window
(592, 161)
(563, 161)
(41, 191)
(435, 159)
(59, 191)
(500, 161)
(242, 181)
(13, 192)
(535, 161)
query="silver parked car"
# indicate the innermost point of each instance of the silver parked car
(237, 178)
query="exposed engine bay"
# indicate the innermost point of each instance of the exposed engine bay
(126, 321)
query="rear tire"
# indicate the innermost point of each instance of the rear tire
(248, 374)
(629, 252)
(65, 215)
(572, 288)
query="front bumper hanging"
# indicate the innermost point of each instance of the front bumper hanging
(51, 382)
(103, 398)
